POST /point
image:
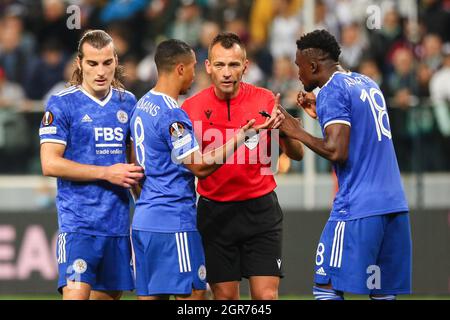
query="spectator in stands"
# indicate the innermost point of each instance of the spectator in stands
(380, 41)
(423, 76)
(46, 70)
(239, 26)
(435, 18)
(132, 82)
(440, 98)
(352, 46)
(369, 68)
(261, 16)
(187, 24)
(402, 84)
(11, 94)
(118, 10)
(325, 19)
(157, 17)
(254, 74)
(225, 11)
(146, 69)
(284, 30)
(64, 83)
(208, 31)
(284, 80)
(122, 36)
(431, 51)
(16, 47)
(53, 25)
(14, 134)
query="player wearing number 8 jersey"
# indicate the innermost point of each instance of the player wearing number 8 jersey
(365, 247)
(169, 256)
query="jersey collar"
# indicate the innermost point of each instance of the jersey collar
(164, 95)
(332, 76)
(98, 101)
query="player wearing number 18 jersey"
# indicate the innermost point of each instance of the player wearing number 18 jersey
(365, 247)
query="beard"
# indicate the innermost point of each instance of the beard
(309, 88)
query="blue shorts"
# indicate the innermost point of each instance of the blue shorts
(168, 263)
(366, 256)
(102, 262)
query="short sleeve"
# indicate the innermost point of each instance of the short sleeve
(55, 124)
(333, 106)
(177, 131)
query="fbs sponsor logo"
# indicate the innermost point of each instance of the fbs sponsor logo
(321, 272)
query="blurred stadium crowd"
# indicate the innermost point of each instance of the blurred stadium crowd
(409, 57)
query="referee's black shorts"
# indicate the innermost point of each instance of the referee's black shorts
(241, 238)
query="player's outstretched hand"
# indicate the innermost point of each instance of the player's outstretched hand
(307, 101)
(290, 125)
(124, 174)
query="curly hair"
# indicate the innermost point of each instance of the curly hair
(322, 40)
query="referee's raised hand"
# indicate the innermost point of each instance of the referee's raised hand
(277, 116)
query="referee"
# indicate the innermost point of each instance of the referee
(239, 217)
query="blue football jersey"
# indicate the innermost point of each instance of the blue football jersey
(95, 132)
(163, 135)
(369, 181)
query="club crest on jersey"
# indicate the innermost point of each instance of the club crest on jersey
(47, 119)
(251, 142)
(79, 266)
(176, 130)
(122, 116)
(202, 272)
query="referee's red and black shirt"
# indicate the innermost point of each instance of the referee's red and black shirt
(242, 179)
